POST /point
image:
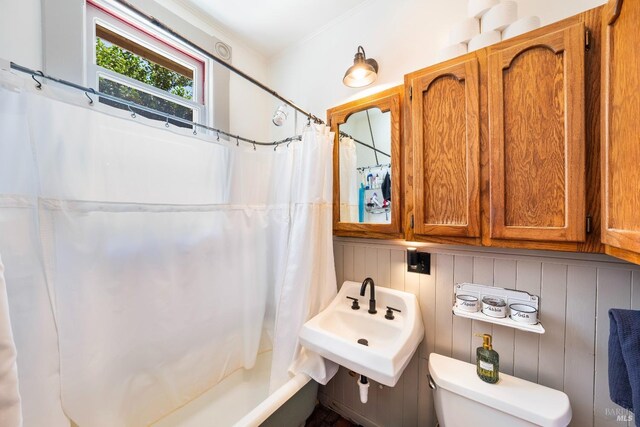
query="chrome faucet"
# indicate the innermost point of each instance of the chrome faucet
(372, 294)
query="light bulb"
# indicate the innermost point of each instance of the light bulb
(359, 73)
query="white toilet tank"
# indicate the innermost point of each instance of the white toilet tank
(462, 399)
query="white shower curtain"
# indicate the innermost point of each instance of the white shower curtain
(10, 411)
(309, 282)
(348, 180)
(145, 265)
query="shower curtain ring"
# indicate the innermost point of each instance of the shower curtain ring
(93, 91)
(195, 132)
(38, 82)
(133, 113)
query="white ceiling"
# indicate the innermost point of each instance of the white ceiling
(270, 26)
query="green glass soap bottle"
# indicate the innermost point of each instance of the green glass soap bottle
(488, 361)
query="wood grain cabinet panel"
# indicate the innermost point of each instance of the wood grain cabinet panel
(445, 129)
(537, 137)
(621, 128)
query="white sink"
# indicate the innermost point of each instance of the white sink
(334, 333)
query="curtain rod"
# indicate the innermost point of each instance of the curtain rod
(344, 134)
(218, 60)
(133, 106)
(373, 141)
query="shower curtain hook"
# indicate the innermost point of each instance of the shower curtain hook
(275, 146)
(218, 136)
(166, 124)
(133, 113)
(38, 82)
(93, 91)
(254, 146)
(237, 141)
(195, 132)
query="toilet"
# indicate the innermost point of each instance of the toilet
(462, 399)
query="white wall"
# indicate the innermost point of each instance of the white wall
(402, 35)
(249, 109)
(250, 115)
(21, 32)
(357, 126)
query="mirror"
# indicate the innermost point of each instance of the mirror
(367, 165)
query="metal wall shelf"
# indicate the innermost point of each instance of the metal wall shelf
(504, 321)
(510, 296)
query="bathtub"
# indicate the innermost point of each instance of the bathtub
(242, 400)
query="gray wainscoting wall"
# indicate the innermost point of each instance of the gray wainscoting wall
(576, 291)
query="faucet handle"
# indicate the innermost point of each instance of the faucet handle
(354, 305)
(390, 311)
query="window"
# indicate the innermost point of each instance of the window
(133, 60)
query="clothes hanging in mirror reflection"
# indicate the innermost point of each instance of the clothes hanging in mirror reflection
(386, 187)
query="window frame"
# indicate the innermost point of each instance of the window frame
(115, 18)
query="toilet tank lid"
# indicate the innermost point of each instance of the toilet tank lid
(532, 402)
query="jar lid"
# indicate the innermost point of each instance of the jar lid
(495, 302)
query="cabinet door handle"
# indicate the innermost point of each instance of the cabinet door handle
(587, 40)
(616, 12)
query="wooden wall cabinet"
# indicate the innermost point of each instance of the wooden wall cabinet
(504, 145)
(621, 129)
(445, 133)
(536, 117)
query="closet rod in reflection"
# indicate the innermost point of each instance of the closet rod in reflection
(222, 62)
(133, 106)
(346, 135)
(364, 168)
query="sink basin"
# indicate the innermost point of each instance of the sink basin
(334, 333)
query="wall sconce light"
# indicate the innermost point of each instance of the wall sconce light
(363, 72)
(280, 116)
(418, 262)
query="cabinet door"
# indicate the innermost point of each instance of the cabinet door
(621, 125)
(445, 120)
(368, 135)
(537, 137)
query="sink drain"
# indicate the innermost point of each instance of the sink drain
(363, 341)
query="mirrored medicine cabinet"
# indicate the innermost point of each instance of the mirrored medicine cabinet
(367, 166)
